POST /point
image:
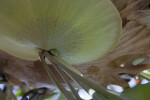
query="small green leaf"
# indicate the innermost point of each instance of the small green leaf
(145, 75)
(18, 92)
(138, 61)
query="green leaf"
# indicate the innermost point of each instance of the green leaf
(145, 75)
(140, 92)
(138, 61)
(80, 30)
(18, 92)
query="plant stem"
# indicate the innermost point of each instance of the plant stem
(68, 83)
(13, 95)
(78, 78)
(61, 88)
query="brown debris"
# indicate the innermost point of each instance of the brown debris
(134, 6)
(138, 14)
